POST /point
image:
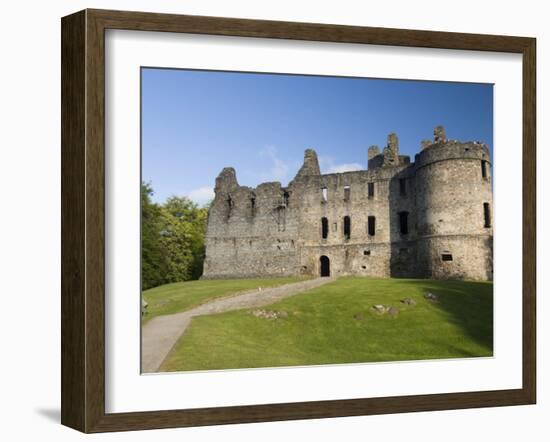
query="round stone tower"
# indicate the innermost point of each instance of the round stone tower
(454, 209)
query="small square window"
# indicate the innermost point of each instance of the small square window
(347, 192)
(324, 228)
(446, 257)
(486, 215)
(370, 189)
(347, 227)
(371, 225)
(483, 169)
(366, 252)
(404, 223)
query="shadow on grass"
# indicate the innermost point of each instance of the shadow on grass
(468, 304)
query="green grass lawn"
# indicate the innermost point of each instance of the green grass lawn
(321, 328)
(174, 298)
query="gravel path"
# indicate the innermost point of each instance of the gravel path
(160, 334)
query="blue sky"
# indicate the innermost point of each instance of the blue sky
(194, 123)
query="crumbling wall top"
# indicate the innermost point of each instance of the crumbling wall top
(226, 181)
(373, 151)
(439, 134)
(391, 151)
(425, 143)
(310, 166)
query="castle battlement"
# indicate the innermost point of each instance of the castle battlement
(431, 218)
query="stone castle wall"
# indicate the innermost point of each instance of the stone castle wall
(272, 230)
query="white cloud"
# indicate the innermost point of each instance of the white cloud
(283, 170)
(328, 165)
(202, 195)
(345, 167)
(277, 169)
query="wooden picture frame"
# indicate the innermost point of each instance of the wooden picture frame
(83, 220)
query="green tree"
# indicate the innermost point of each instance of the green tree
(185, 243)
(152, 260)
(172, 239)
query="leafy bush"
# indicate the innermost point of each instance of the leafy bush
(172, 239)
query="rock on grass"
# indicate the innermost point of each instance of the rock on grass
(269, 314)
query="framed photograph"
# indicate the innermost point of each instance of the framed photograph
(270, 220)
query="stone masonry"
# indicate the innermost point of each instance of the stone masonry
(427, 219)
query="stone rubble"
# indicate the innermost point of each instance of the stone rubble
(269, 314)
(408, 301)
(431, 297)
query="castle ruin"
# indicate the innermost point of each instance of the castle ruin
(427, 219)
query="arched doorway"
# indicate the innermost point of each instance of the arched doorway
(325, 266)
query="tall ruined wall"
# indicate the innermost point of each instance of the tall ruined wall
(275, 231)
(347, 195)
(250, 232)
(256, 232)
